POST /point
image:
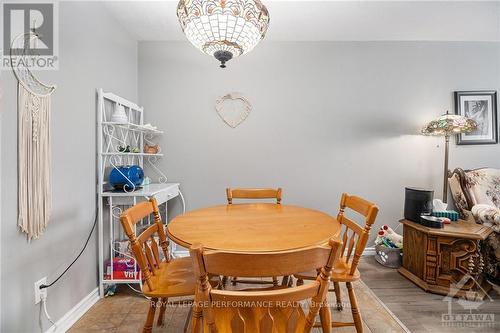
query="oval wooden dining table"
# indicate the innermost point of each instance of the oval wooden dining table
(253, 227)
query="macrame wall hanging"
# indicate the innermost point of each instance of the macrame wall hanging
(34, 152)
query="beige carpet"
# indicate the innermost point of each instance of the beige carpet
(126, 312)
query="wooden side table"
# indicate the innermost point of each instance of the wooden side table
(437, 260)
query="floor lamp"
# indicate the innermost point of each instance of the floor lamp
(447, 125)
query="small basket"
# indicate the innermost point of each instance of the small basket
(388, 257)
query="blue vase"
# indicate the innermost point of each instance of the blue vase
(126, 177)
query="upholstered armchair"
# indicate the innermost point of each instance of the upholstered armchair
(477, 198)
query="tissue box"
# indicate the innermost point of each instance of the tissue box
(451, 214)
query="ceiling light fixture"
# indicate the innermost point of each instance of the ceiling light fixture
(224, 29)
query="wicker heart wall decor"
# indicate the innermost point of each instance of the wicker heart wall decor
(233, 108)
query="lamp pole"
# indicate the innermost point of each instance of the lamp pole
(445, 180)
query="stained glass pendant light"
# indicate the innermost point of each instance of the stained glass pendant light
(224, 29)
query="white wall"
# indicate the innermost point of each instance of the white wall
(94, 52)
(327, 117)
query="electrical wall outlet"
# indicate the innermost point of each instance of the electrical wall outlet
(39, 293)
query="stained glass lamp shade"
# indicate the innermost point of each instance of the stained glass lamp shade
(446, 125)
(224, 29)
(449, 124)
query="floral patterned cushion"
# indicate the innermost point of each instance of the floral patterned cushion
(487, 215)
(483, 186)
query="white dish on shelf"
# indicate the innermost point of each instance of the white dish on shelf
(134, 127)
(119, 116)
(117, 153)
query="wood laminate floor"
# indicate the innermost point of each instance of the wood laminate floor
(422, 312)
(126, 312)
(419, 311)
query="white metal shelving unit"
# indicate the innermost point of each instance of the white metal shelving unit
(111, 135)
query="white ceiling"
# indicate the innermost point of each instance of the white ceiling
(335, 20)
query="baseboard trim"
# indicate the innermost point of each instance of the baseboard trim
(72, 316)
(369, 251)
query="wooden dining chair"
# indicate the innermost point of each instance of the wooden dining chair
(261, 310)
(253, 193)
(163, 279)
(354, 238)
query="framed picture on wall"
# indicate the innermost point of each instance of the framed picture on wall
(481, 106)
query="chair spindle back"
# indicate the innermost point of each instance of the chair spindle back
(208, 262)
(145, 246)
(355, 237)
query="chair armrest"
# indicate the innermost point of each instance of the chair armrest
(487, 215)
